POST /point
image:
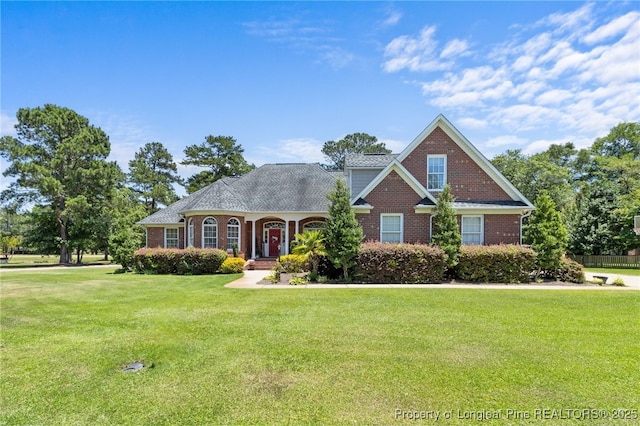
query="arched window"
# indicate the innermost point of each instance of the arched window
(209, 233)
(190, 229)
(316, 225)
(233, 233)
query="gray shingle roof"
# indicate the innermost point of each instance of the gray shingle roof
(269, 188)
(354, 160)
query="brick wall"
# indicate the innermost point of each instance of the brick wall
(502, 229)
(394, 195)
(155, 236)
(467, 179)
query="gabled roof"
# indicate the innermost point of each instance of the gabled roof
(274, 188)
(395, 166)
(368, 161)
(464, 144)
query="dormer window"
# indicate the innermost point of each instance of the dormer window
(436, 172)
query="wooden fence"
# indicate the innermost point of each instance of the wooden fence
(631, 262)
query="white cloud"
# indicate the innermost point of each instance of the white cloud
(336, 57)
(574, 73)
(613, 28)
(297, 150)
(391, 20)
(508, 141)
(395, 146)
(7, 123)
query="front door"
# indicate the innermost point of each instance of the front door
(274, 242)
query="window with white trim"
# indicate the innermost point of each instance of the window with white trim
(391, 228)
(316, 225)
(436, 172)
(190, 230)
(472, 230)
(233, 233)
(209, 233)
(171, 237)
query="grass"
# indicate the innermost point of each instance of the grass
(35, 260)
(301, 356)
(632, 272)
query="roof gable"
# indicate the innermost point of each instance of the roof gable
(395, 166)
(468, 148)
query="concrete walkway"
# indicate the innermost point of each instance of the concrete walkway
(251, 280)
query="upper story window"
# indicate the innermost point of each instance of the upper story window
(171, 237)
(436, 172)
(233, 233)
(209, 233)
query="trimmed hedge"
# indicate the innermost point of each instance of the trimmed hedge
(499, 263)
(570, 271)
(232, 265)
(189, 261)
(399, 263)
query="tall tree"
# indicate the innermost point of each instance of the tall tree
(221, 155)
(353, 143)
(343, 234)
(58, 158)
(152, 174)
(547, 235)
(446, 232)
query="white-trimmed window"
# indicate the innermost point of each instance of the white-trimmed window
(436, 172)
(190, 231)
(233, 233)
(391, 227)
(209, 233)
(171, 237)
(315, 225)
(472, 230)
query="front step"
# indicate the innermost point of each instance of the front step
(261, 264)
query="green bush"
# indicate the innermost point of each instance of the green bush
(499, 263)
(399, 263)
(232, 265)
(293, 263)
(569, 271)
(191, 261)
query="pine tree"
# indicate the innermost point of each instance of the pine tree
(547, 235)
(343, 233)
(446, 233)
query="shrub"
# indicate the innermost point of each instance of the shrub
(619, 282)
(293, 263)
(327, 269)
(298, 280)
(232, 265)
(399, 263)
(191, 261)
(500, 263)
(569, 271)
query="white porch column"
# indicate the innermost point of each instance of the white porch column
(286, 236)
(297, 226)
(253, 239)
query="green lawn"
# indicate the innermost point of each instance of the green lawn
(31, 260)
(633, 272)
(302, 356)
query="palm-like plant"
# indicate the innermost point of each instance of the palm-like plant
(311, 244)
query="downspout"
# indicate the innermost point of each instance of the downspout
(522, 218)
(431, 227)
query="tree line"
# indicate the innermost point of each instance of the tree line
(82, 202)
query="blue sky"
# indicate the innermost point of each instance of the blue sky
(285, 77)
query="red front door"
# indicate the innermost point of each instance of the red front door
(274, 242)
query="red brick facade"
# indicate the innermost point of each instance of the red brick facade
(467, 179)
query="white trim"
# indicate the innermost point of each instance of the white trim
(202, 232)
(191, 230)
(464, 144)
(177, 239)
(394, 166)
(239, 226)
(444, 179)
(401, 216)
(474, 216)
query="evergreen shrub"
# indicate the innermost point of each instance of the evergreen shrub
(190, 261)
(293, 263)
(399, 263)
(498, 263)
(232, 265)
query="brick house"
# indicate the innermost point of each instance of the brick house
(393, 196)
